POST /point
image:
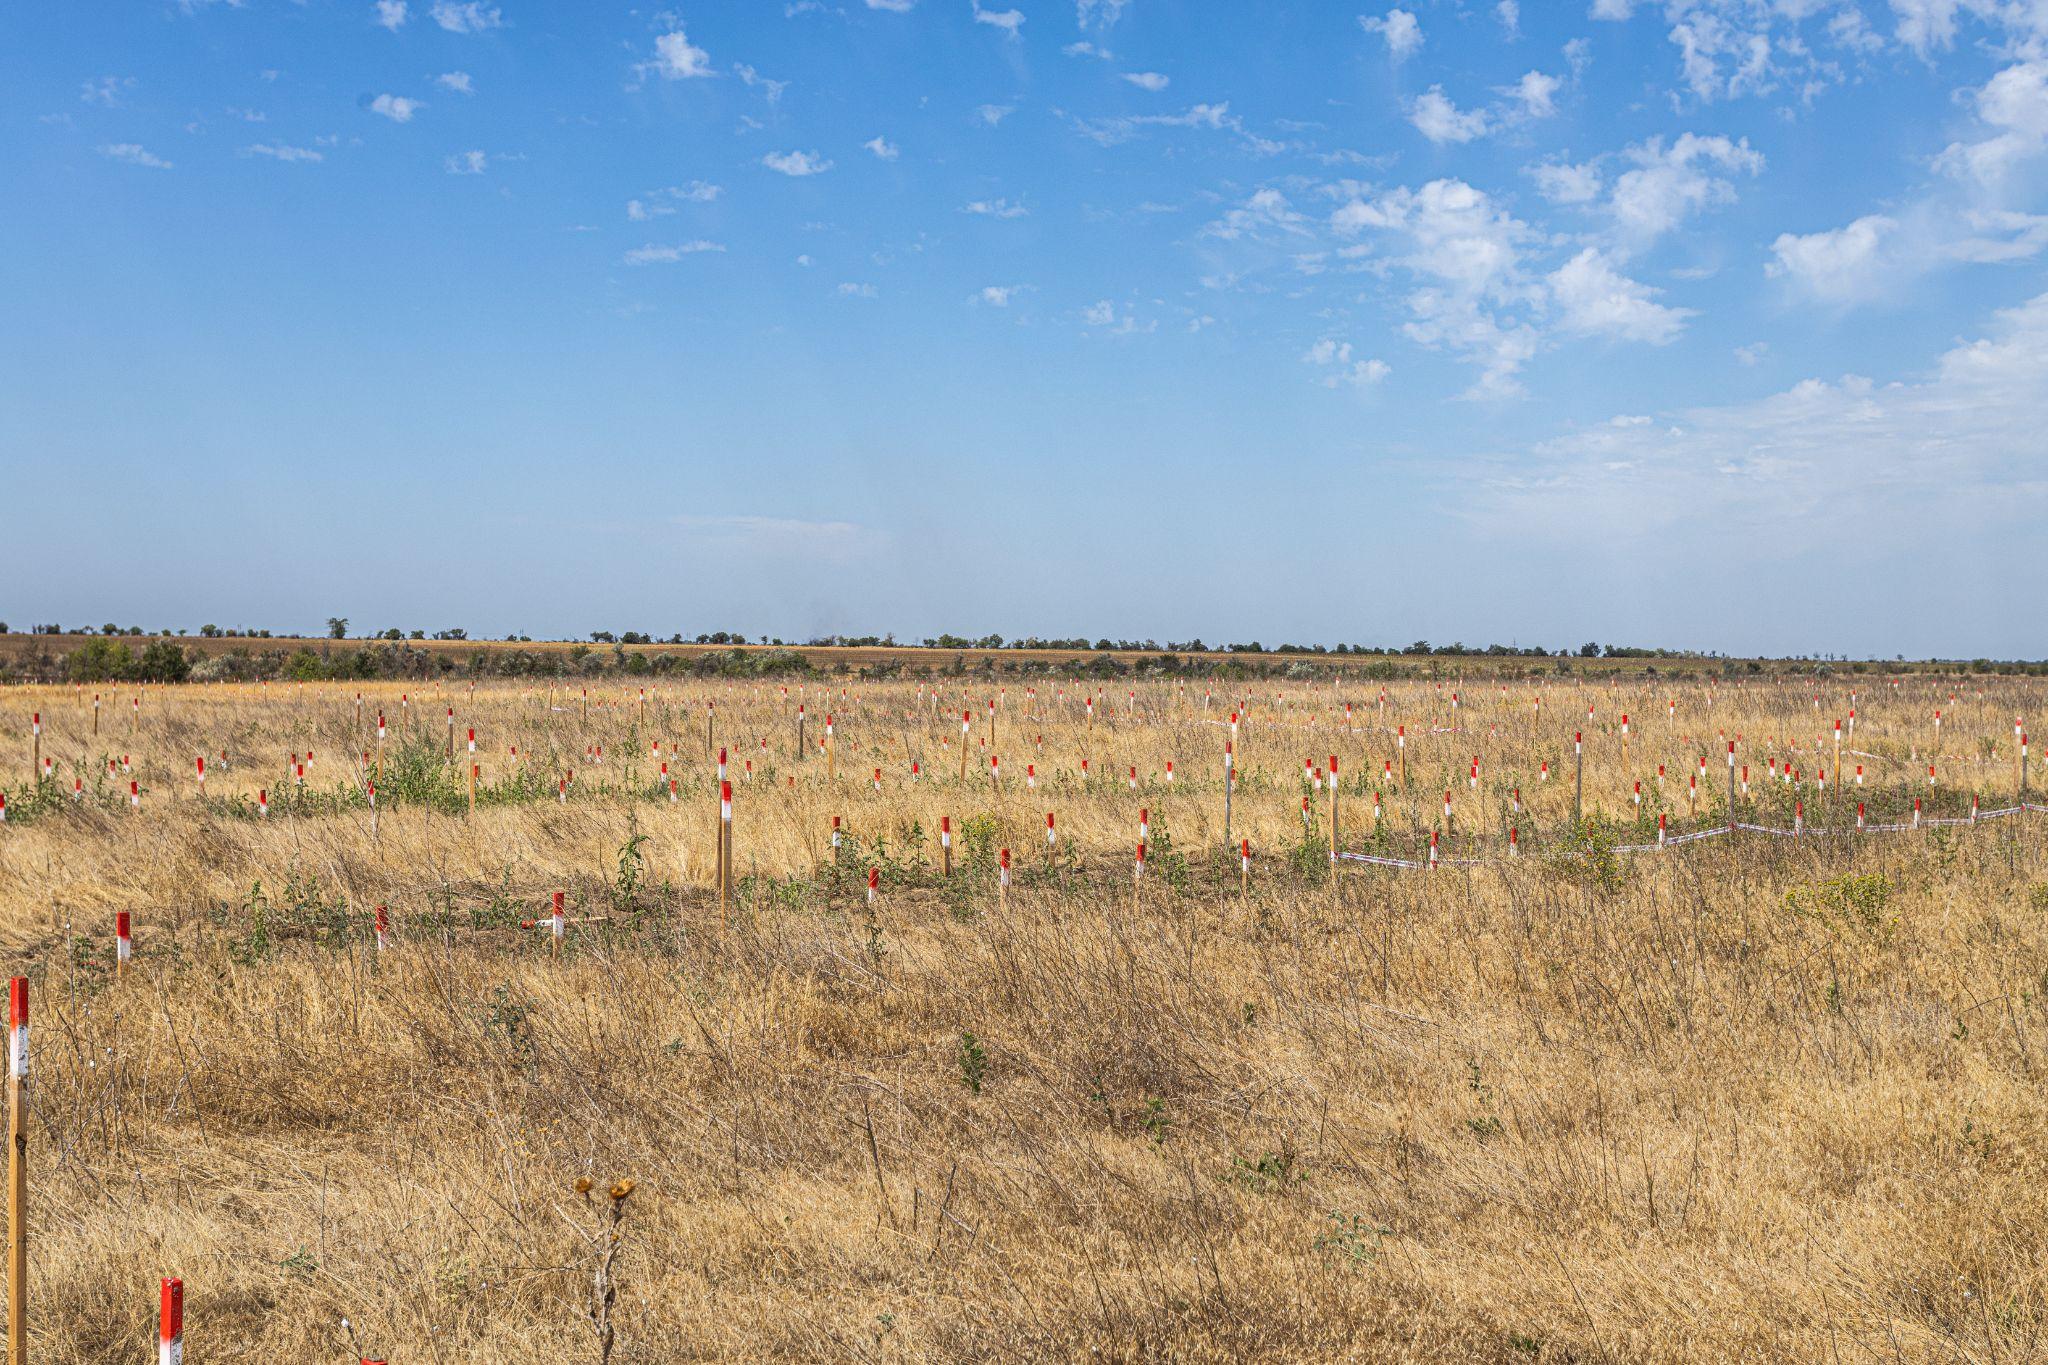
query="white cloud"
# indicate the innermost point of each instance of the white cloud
(1336, 357)
(796, 163)
(1670, 184)
(1510, 15)
(1842, 266)
(696, 192)
(640, 211)
(893, 6)
(883, 148)
(668, 253)
(992, 114)
(1563, 183)
(676, 59)
(1010, 21)
(1084, 48)
(1102, 13)
(1147, 80)
(466, 163)
(391, 14)
(1100, 314)
(397, 108)
(997, 295)
(1887, 458)
(1473, 297)
(996, 208)
(280, 152)
(458, 81)
(2015, 102)
(1596, 300)
(1437, 119)
(134, 154)
(851, 290)
(1925, 25)
(1402, 33)
(466, 18)
(1536, 93)
(1613, 9)
(1754, 353)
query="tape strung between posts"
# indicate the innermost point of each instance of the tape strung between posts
(1811, 831)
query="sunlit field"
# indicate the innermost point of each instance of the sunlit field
(1402, 1038)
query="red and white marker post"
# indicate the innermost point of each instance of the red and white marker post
(170, 1329)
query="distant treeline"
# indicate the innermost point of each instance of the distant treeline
(120, 658)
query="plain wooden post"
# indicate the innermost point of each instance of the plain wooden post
(17, 1172)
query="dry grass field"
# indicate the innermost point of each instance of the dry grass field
(1753, 1098)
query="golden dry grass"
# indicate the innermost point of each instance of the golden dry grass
(1746, 1100)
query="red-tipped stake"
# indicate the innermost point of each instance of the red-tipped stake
(1660, 829)
(383, 927)
(725, 847)
(1859, 815)
(1798, 816)
(946, 845)
(17, 1171)
(1031, 776)
(170, 1329)
(122, 948)
(1916, 812)
(558, 926)
(874, 884)
(1432, 850)
(135, 796)
(1144, 825)
(1244, 864)
(1514, 842)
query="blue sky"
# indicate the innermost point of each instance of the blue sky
(1717, 323)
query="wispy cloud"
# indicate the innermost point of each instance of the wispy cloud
(391, 14)
(458, 81)
(133, 154)
(996, 208)
(668, 253)
(851, 289)
(1010, 21)
(106, 90)
(1147, 80)
(280, 152)
(883, 148)
(466, 163)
